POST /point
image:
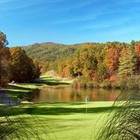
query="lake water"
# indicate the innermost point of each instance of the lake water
(73, 95)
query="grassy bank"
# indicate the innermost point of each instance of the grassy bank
(15, 90)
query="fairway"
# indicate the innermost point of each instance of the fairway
(71, 121)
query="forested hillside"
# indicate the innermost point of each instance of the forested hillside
(110, 64)
(49, 51)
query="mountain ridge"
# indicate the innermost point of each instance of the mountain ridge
(50, 51)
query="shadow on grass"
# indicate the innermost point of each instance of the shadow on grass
(54, 83)
(50, 82)
(57, 110)
(66, 111)
(64, 103)
(18, 87)
(24, 95)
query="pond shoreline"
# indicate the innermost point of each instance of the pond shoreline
(5, 100)
(25, 91)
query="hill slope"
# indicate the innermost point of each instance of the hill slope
(49, 51)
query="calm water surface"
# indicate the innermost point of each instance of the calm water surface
(74, 95)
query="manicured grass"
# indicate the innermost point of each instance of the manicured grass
(15, 90)
(67, 121)
(23, 89)
(45, 81)
(71, 121)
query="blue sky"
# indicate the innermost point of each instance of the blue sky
(69, 21)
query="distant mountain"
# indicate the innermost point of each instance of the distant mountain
(49, 51)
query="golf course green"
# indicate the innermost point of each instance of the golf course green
(71, 121)
(63, 120)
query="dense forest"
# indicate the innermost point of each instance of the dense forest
(15, 65)
(110, 64)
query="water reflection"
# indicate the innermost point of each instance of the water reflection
(74, 95)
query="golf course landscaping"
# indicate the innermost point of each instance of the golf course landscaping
(73, 121)
(59, 120)
(69, 121)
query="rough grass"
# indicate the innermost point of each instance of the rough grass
(124, 123)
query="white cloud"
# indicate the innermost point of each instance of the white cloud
(107, 24)
(5, 1)
(128, 1)
(20, 5)
(84, 18)
(56, 0)
(80, 5)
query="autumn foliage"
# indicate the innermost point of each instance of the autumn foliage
(15, 65)
(100, 62)
(94, 62)
(137, 49)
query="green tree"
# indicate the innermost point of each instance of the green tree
(77, 65)
(127, 66)
(23, 67)
(101, 66)
(36, 69)
(88, 57)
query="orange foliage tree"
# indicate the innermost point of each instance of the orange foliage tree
(112, 60)
(137, 51)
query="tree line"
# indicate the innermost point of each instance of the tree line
(111, 64)
(15, 65)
